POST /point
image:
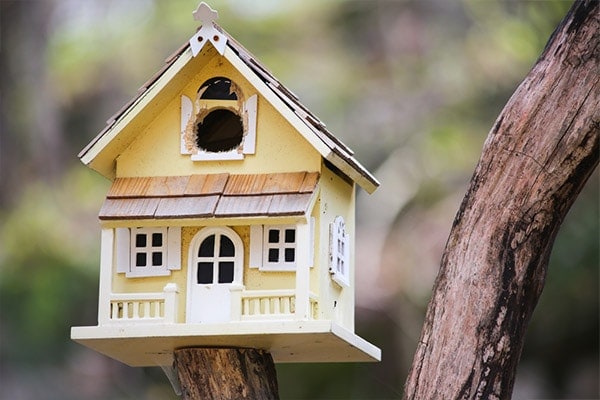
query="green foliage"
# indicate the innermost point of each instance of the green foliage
(48, 267)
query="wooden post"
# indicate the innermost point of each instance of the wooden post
(210, 373)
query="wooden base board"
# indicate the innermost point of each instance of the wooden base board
(287, 341)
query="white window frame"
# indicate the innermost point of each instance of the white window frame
(339, 252)
(260, 246)
(281, 246)
(127, 251)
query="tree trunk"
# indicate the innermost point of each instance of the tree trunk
(206, 373)
(535, 161)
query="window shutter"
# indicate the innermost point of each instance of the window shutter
(174, 248)
(123, 249)
(256, 246)
(333, 241)
(339, 252)
(250, 108)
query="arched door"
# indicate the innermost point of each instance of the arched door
(215, 267)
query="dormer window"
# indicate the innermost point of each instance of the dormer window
(220, 125)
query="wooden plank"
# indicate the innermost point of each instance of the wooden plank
(129, 187)
(215, 183)
(168, 186)
(235, 206)
(187, 207)
(195, 185)
(310, 182)
(289, 204)
(128, 208)
(245, 184)
(283, 182)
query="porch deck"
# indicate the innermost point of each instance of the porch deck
(287, 341)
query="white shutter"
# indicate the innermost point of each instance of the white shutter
(174, 248)
(339, 258)
(333, 248)
(250, 108)
(256, 246)
(122, 249)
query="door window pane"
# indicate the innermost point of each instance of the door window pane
(226, 272)
(207, 248)
(226, 247)
(205, 272)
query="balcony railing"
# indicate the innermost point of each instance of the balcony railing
(144, 307)
(247, 305)
(272, 304)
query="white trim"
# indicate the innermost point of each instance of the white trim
(202, 155)
(250, 109)
(208, 31)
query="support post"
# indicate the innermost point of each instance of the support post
(302, 271)
(208, 373)
(106, 268)
(170, 291)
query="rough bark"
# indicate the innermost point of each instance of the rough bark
(536, 159)
(207, 373)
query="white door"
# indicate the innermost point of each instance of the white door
(215, 268)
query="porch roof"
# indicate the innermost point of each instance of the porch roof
(210, 196)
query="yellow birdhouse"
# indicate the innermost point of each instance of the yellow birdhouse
(230, 219)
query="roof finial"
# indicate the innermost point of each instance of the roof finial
(205, 14)
(207, 32)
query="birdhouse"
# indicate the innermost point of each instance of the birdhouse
(230, 219)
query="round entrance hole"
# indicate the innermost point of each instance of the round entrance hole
(221, 130)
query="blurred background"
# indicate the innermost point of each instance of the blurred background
(412, 86)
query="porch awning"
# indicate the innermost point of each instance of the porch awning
(210, 196)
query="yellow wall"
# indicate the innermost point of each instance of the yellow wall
(156, 150)
(337, 198)
(253, 279)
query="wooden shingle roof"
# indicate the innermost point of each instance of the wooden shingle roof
(332, 149)
(210, 196)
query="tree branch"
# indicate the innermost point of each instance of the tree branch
(535, 161)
